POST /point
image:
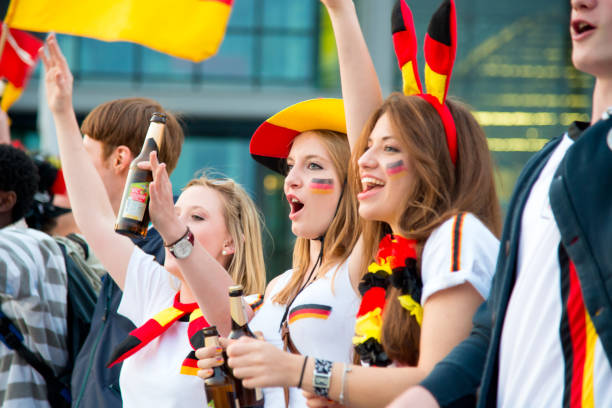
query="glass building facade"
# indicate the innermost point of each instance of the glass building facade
(513, 67)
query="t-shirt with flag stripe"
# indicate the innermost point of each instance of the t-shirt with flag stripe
(550, 355)
(33, 291)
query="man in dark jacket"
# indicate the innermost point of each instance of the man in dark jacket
(544, 336)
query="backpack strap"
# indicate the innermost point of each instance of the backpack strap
(13, 339)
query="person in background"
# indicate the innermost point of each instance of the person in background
(33, 286)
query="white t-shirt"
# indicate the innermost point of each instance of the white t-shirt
(532, 367)
(460, 250)
(321, 323)
(151, 377)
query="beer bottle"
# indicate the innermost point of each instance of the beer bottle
(133, 217)
(249, 398)
(220, 386)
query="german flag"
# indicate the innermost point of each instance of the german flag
(18, 60)
(322, 186)
(190, 29)
(310, 310)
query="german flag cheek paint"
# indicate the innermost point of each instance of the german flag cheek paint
(396, 168)
(322, 186)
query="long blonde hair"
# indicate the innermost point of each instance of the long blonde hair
(345, 228)
(243, 222)
(439, 191)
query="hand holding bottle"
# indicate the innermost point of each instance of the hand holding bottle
(161, 204)
(261, 364)
(210, 357)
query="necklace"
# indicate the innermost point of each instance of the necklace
(395, 265)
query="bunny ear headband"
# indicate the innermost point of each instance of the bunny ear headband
(440, 48)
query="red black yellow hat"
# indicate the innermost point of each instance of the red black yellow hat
(272, 140)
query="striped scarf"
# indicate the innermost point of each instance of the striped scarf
(140, 337)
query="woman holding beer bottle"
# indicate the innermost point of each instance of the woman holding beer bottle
(212, 238)
(310, 308)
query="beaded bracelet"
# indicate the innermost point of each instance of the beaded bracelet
(321, 377)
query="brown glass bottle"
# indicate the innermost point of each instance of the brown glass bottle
(133, 218)
(249, 398)
(220, 386)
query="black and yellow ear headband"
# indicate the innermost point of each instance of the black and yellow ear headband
(440, 48)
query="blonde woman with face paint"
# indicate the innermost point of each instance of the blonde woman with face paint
(309, 310)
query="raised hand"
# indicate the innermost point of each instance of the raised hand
(58, 78)
(336, 4)
(161, 204)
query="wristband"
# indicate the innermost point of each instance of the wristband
(302, 374)
(321, 377)
(347, 369)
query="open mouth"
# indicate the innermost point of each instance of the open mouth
(580, 27)
(296, 205)
(370, 183)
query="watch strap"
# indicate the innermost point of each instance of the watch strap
(321, 378)
(185, 235)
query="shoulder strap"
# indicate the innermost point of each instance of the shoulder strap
(13, 339)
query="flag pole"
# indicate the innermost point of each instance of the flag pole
(3, 37)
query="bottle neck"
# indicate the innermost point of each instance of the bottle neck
(237, 312)
(155, 132)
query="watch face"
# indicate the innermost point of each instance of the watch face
(182, 249)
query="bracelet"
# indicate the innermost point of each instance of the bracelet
(302, 374)
(321, 377)
(177, 241)
(347, 369)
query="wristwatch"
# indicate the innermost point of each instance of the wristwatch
(181, 248)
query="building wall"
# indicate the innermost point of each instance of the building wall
(512, 66)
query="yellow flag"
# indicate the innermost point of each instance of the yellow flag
(190, 29)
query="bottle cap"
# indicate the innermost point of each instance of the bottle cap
(210, 331)
(235, 290)
(158, 117)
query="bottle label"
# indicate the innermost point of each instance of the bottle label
(136, 202)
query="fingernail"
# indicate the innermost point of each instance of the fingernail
(219, 359)
(219, 350)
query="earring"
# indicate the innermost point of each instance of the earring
(224, 252)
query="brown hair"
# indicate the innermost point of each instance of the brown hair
(243, 222)
(439, 191)
(344, 230)
(124, 122)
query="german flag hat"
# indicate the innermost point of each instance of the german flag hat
(272, 140)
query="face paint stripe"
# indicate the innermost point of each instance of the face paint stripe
(396, 167)
(321, 186)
